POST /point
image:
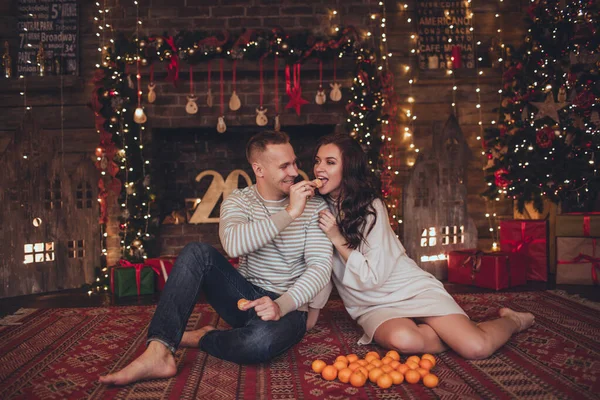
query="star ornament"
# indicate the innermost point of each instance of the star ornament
(548, 108)
(296, 100)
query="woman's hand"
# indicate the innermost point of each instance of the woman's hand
(328, 225)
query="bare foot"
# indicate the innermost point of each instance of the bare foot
(191, 338)
(156, 362)
(523, 319)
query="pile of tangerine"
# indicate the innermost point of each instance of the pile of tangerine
(384, 372)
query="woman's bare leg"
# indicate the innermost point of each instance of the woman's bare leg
(404, 335)
(478, 341)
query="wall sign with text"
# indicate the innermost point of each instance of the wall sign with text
(48, 37)
(445, 34)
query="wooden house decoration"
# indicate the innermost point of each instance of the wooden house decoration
(49, 216)
(435, 201)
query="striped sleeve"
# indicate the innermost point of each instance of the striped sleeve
(318, 254)
(240, 236)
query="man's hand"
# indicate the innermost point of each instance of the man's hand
(299, 195)
(265, 308)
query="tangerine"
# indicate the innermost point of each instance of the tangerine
(414, 359)
(344, 375)
(422, 371)
(318, 366)
(387, 368)
(425, 363)
(353, 365)
(412, 365)
(374, 353)
(363, 371)
(394, 364)
(352, 358)
(402, 368)
(412, 376)
(370, 367)
(342, 358)
(370, 357)
(329, 373)
(340, 365)
(430, 380)
(357, 379)
(241, 303)
(374, 374)
(387, 360)
(393, 354)
(363, 363)
(429, 357)
(377, 363)
(397, 377)
(384, 381)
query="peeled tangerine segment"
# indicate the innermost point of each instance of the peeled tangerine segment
(318, 182)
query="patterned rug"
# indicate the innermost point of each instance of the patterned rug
(59, 353)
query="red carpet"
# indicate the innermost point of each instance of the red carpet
(58, 354)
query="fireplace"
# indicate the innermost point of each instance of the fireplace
(189, 208)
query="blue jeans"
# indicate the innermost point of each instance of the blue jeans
(199, 267)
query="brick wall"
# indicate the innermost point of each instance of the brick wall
(432, 91)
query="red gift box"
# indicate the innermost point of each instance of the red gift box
(527, 238)
(162, 267)
(487, 270)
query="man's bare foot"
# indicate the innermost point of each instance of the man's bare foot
(191, 338)
(523, 319)
(156, 362)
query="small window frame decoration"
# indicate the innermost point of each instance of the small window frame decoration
(76, 248)
(35, 253)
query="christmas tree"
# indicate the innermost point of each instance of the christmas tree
(545, 144)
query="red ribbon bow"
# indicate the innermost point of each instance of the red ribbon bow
(295, 92)
(475, 263)
(173, 67)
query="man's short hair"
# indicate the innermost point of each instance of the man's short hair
(259, 142)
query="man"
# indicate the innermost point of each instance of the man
(285, 260)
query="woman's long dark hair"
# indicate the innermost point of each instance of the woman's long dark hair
(359, 187)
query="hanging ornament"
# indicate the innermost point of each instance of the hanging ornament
(277, 125)
(320, 98)
(595, 119)
(41, 60)
(7, 61)
(562, 94)
(129, 189)
(294, 92)
(139, 116)
(234, 101)
(151, 86)
(125, 214)
(221, 127)
(261, 118)
(548, 108)
(336, 93)
(544, 137)
(209, 95)
(191, 107)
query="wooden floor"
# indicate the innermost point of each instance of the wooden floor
(79, 298)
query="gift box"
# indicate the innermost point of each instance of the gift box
(578, 260)
(162, 267)
(528, 240)
(496, 270)
(127, 279)
(578, 224)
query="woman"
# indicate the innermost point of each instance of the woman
(396, 303)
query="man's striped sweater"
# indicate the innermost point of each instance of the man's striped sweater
(290, 257)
